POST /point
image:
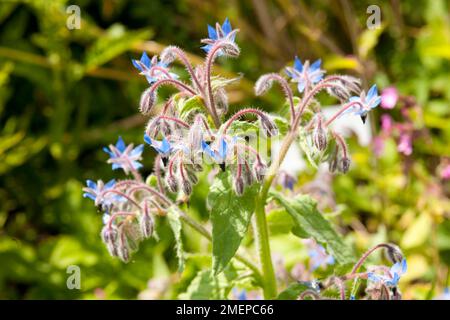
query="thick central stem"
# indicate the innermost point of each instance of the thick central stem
(262, 233)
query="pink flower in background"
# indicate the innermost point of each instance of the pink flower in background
(445, 173)
(386, 123)
(389, 97)
(378, 146)
(405, 144)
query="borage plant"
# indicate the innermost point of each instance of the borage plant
(192, 132)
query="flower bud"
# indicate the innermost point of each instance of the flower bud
(344, 164)
(248, 176)
(260, 170)
(124, 251)
(168, 55)
(230, 48)
(320, 135)
(146, 225)
(333, 161)
(221, 99)
(339, 91)
(148, 99)
(394, 253)
(263, 84)
(269, 127)
(239, 185)
(192, 176)
(186, 186)
(172, 183)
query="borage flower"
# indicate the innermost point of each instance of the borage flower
(219, 154)
(95, 192)
(393, 277)
(124, 157)
(163, 147)
(153, 69)
(221, 32)
(366, 103)
(305, 75)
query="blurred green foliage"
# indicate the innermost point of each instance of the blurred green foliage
(65, 93)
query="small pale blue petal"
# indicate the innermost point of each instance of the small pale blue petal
(298, 64)
(212, 33)
(89, 195)
(226, 26)
(147, 139)
(136, 64)
(120, 145)
(315, 65)
(165, 146)
(372, 92)
(136, 152)
(110, 184)
(146, 60)
(91, 184)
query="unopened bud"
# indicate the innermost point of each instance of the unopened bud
(320, 135)
(221, 99)
(239, 185)
(248, 176)
(269, 126)
(263, 84)
(146, 224)
(333, 161)
(148, 99)
(339, 91)
(168, 54)
(172, 183)
(186, 186)
(344, 164)
(394, 253)
(230, 48)
(260, 170)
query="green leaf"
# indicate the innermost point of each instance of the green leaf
(279, 222)
(204, 287)
(281, 123)
(185, 107)
(175, 224)
(292, 291)
(309, 222)
(239, 127)
(230, 217)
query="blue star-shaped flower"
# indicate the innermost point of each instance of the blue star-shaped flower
(94, 191)
(367, 103)
(305, 74)
(219, 155)
(396, 271)
(162, 147)
(123, 156)
(146, 67)
(224, 32)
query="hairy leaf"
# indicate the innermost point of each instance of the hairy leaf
(175, 224)
(230, 217)
(292, 291)
(309, 222)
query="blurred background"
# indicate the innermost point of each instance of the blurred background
(64, 94)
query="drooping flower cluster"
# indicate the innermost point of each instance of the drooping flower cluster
(192, 131)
